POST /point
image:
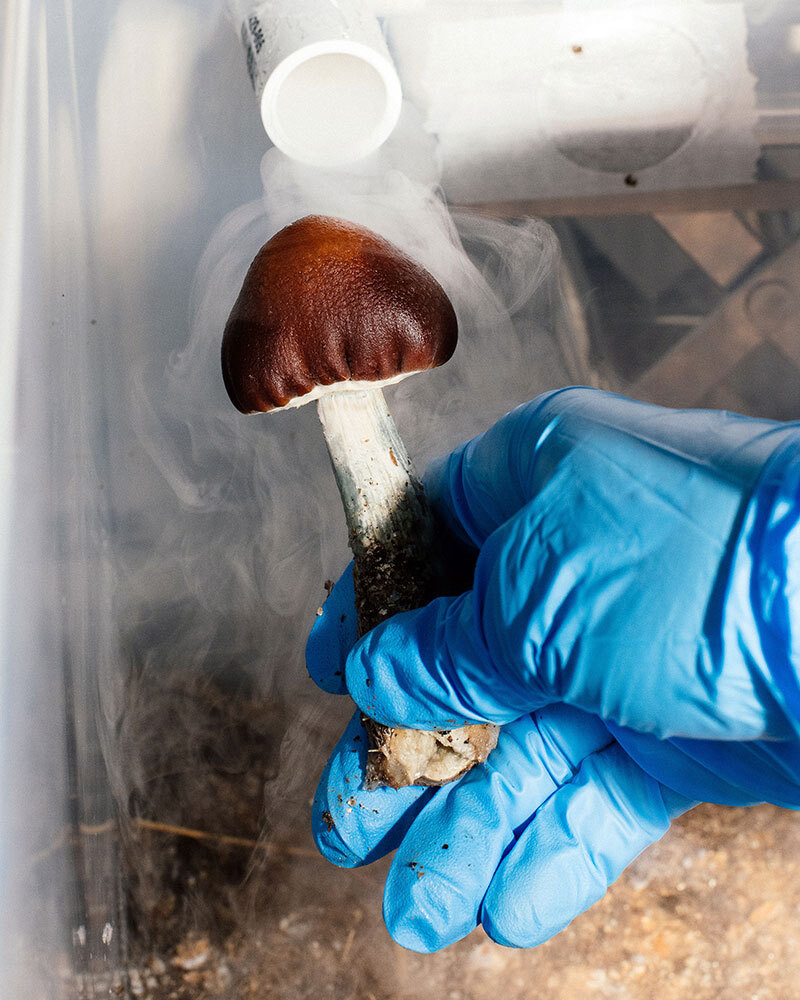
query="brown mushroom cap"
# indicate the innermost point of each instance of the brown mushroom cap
(327, 301)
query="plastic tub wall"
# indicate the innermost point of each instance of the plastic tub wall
(129, 134)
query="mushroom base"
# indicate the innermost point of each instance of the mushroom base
(400, 757)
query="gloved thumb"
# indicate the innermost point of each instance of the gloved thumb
(431, 669)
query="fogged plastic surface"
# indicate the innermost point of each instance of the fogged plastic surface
(160, 534)
(168, 554)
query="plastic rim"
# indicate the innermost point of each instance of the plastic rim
(371, 141)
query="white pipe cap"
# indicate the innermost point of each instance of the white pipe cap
(332, 102)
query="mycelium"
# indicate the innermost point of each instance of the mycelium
(331, 312)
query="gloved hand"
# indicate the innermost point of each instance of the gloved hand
(635, 564)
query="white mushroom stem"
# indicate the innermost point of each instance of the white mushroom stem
(383, 500)
(391, 534)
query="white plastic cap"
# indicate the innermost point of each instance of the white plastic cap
(332, 102)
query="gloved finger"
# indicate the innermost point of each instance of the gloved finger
(446, 861)
(575, 846)
(431, 669)
(483, 482)
(351, 826)
(332, 636)
(729, 772)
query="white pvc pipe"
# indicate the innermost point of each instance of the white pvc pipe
(327, 87)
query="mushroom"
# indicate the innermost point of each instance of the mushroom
(330, 312)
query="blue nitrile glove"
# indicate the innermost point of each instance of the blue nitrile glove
(636, 563)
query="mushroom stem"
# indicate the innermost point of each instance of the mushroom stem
(389, 523)
(391, 533)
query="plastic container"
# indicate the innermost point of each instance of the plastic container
(153, 548)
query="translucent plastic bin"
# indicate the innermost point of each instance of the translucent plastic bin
(163, 558)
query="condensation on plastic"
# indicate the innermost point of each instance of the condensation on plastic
(120, 154)
(135, 145)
